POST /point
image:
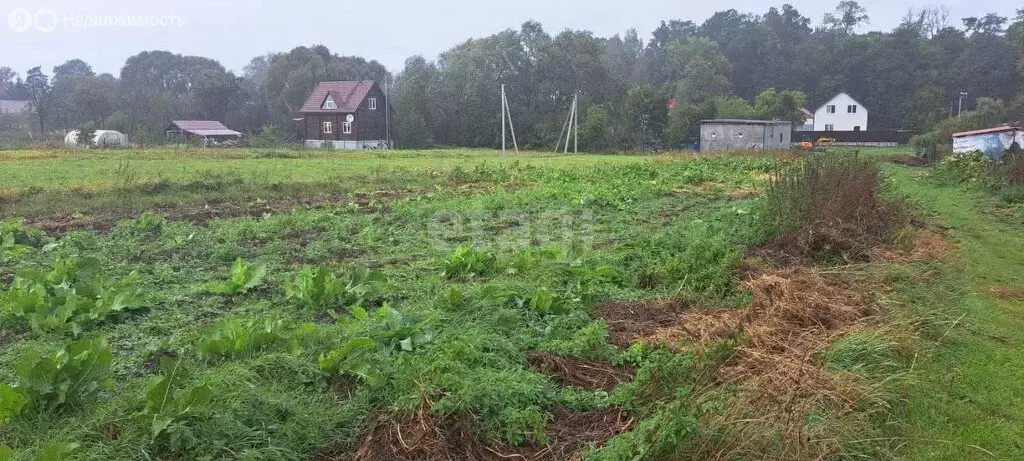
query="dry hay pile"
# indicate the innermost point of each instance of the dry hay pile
(928, 246)
(795, 314)
(429, 437)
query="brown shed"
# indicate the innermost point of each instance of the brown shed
(348, 115)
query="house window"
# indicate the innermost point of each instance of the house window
(780, 138)
(831, 109)
(330, 104)
(851, 109)
(373, 103)
(346, 127)
(328, 128)
(856, 128)
(830, 127)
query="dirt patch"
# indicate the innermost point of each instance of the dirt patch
(630, 321)
(60, 224)
(426, 437)
(577, 372)
(1006, 293)
(909, 160)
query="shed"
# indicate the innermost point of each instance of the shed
(212, 133)
(101, 138)
(734, 134)
(990, 141)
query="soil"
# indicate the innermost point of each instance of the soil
(427, 437)
(630, 321)
(577, 372)
(59, 224)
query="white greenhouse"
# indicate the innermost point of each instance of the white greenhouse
(102, 138)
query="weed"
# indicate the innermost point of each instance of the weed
(403, 333)
(171, 407)
(16, 238)
(351, 359)
(829, 208)
(233, 337)
(244, 277)
(465, 262)
(66, 379)
(321, 289)
(72, 296)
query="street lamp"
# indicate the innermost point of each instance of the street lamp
(960, 106)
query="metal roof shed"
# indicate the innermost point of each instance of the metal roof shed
(212, 132)
(990, 141)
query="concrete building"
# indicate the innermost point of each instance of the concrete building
(730, 134)
(841, 113)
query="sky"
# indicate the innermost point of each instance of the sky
(106, 32)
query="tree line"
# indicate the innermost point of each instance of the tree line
(633, 92)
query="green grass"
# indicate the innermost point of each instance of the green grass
(100, 168)
(968, 400)
(582, 229)
(553, 223)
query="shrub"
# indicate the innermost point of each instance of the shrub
(269, 136)
(86, 134)
(1005, 178)
(829, 208)
(960, 169)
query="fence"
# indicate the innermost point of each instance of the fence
(857, 138)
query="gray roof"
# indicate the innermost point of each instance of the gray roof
(13, 106)
(737, 121)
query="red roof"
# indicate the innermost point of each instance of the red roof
(671, 103)
(203, 128)
(347, 95)
(998, 129)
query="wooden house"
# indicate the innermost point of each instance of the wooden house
(348, 115)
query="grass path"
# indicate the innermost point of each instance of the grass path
(968, 401)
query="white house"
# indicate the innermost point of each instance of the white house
(841, 113)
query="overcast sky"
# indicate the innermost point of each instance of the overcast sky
(49, 32)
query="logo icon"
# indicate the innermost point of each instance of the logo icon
(46, 20)
(20, 20)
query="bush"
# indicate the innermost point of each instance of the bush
(86, 134)
(269, 136)
(828, 208)
(960, 169)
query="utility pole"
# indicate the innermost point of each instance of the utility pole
(576, 123)
(960, 105)
(506, 111)
(502, 119)
(387, 115)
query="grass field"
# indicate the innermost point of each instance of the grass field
(288, 304)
